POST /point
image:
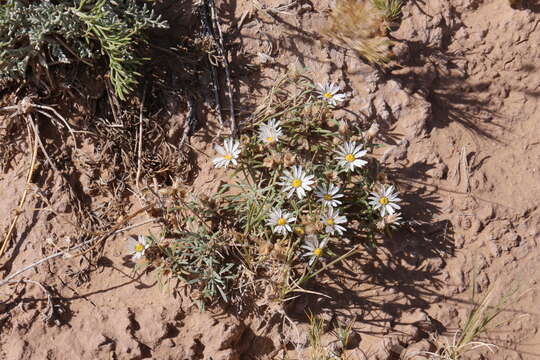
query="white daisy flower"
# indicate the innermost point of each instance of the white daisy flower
(314, 249)
(280, 220)
(350, 155)
(296, 181)
(331, 221)
(385, 200)
(328, 194)
(329, 92)
(229, 153)
(269, 133)
(136, 247)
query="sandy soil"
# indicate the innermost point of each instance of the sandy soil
(461, 135)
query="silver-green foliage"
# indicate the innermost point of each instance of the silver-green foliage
(200, 259)
(48, 33)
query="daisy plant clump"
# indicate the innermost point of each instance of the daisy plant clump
(300, 191)
(295, 201)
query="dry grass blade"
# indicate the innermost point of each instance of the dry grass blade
(480, 317)
(95, 240)
(18, 211)
(357, 24)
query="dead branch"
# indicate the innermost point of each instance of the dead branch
(67, 253)
(224, 61)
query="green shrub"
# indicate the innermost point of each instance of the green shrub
(35, 36)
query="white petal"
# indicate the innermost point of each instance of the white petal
(395, 206)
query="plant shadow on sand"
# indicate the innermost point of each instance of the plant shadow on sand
(398, 275)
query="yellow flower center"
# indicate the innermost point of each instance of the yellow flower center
(327, 197)
(330, 222)
(350, 157)
(384, 200)
(281, 221)
(227, 157)
(139, 247)
(296, 183)
(328, 95)
(299, 231)
(270, 139)
(317, 252)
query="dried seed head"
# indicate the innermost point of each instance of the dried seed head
(310, 229)
(309, 111)
(265, 248)
(331, 176)
(344, 127)
(244, 139)
(269, 162)
(325, 113)
(372, 131)
(277, 159)
(289, 159)
(294, 71)
(279, 251)
(304, 144)
(380, 225)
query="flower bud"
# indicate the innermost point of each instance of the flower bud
(289, 159)
(268, 162)
(343, 128)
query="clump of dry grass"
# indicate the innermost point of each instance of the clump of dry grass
(359, 25)
(478, 320)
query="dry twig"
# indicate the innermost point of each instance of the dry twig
(19, 211)
(139, 146)
(48, 314)
(94, 241)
